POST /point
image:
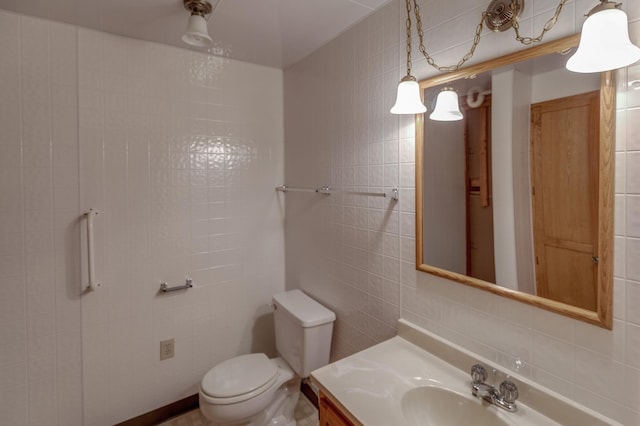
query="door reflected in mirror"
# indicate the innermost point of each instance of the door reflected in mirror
(517, 197)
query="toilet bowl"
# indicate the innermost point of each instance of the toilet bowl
(254, 390)
(246, 389)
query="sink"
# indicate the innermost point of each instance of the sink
(434, 406)
(416, 378)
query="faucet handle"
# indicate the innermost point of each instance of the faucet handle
(478, 374)
(508, 391)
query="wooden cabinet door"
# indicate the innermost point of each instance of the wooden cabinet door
(330, 415)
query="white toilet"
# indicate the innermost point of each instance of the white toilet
(255, 390)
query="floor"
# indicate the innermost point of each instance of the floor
(306, 415)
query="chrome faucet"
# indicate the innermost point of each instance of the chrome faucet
(504, 397)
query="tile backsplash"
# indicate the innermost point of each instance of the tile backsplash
(179, 152)
(357, 254)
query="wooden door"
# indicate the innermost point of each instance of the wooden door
(564, 176)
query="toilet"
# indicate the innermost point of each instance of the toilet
(257, 391)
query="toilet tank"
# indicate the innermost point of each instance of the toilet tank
(303, 331)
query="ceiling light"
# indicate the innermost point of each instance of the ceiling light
(604, 42)
(447, 108)
(197, 34)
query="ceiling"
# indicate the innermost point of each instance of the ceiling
(274, 33)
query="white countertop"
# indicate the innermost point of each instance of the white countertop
(370, 384)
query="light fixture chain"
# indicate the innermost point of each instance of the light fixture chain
(476, 40)
(429, 58)
(550, 23)
(408, 4)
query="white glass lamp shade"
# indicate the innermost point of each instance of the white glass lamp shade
(447, 108)
(197, 33)
(408, 99)
(604, 43)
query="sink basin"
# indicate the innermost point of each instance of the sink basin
(434, 406)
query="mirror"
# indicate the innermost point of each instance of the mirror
(517, 197)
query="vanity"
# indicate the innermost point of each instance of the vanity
(418, 378)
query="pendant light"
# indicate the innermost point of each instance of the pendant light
(447, 108)
(604, 42)
(408, 97)
(197, 34)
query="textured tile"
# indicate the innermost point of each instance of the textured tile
(592, 370)
(555, 383)
(610, 343)
(633, 173)
(632, 204)
(633, 345)
(619, 225)
(621, 129)
(632, 251)
(554, 325)
(515, 341)
(632, 300)
(632, 130)
(619, 297)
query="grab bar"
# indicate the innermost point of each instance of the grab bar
(90, 214)
(164, 287)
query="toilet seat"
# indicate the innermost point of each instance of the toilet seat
(240, 378)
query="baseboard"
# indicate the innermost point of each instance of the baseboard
(163, 414)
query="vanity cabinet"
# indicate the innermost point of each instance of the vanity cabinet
(330, 413)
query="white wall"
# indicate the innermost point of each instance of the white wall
(445, 205)
(180, 153)
(502, 167)
(522, 209)
(358, 255)
(559, 84)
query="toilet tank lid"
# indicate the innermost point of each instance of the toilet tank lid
(306, 310)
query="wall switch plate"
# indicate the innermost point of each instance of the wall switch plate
(167, 349)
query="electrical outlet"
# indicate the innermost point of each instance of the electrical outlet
(167, 349)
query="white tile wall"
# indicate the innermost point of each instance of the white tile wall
(338, 132)
(40, 313)
(180, 153)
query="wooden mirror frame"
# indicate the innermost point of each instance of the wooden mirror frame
(603, 316)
